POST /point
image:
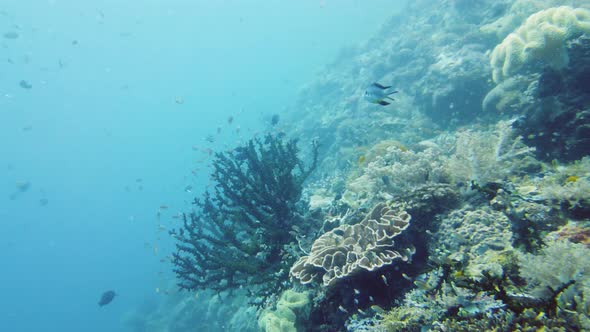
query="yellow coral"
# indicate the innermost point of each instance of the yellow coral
(542, 37)
(284, 317)
(571, 179)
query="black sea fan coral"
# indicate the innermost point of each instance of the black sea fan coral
(236, 234)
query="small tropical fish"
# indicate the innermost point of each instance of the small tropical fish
(421, 285)
(163, 207)
(106, 298)
(274, 120)
(407, 277)
(10, 35)
(25, 85)
(230, 119)
(384, 278)
(377, 309)
(341, 308)
(188, 189)
(379, 94)
(362, 159)
(23, 186)
(179, 100)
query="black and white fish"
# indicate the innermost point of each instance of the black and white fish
(379, 94)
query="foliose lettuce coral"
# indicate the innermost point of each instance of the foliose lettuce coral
(542, 37)
(350, 249)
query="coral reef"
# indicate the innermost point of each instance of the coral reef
(568, 187)
(557, 120)
(237, 234)
(468, 234)
(542, 37)
(424, 307)
(509, 96)
(484, 193)
(561, 273)
(574, 233)
(489, 156)
(394, 171)
(350, 249)
(424, 202)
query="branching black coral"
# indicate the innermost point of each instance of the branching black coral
(236, 235)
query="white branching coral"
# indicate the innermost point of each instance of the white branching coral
(562, 264)
(395, 170)
(486, 156)
(568, 184)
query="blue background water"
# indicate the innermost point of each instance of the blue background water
(103, 113)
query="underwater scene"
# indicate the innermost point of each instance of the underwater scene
(284, 166)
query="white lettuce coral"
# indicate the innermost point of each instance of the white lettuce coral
(349, 249)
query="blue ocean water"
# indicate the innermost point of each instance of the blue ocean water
(110, 129)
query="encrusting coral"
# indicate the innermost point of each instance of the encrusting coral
(350, 249)
(473, 232)
(542, 37)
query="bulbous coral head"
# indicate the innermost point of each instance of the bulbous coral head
(543, 38)
(284, 318)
